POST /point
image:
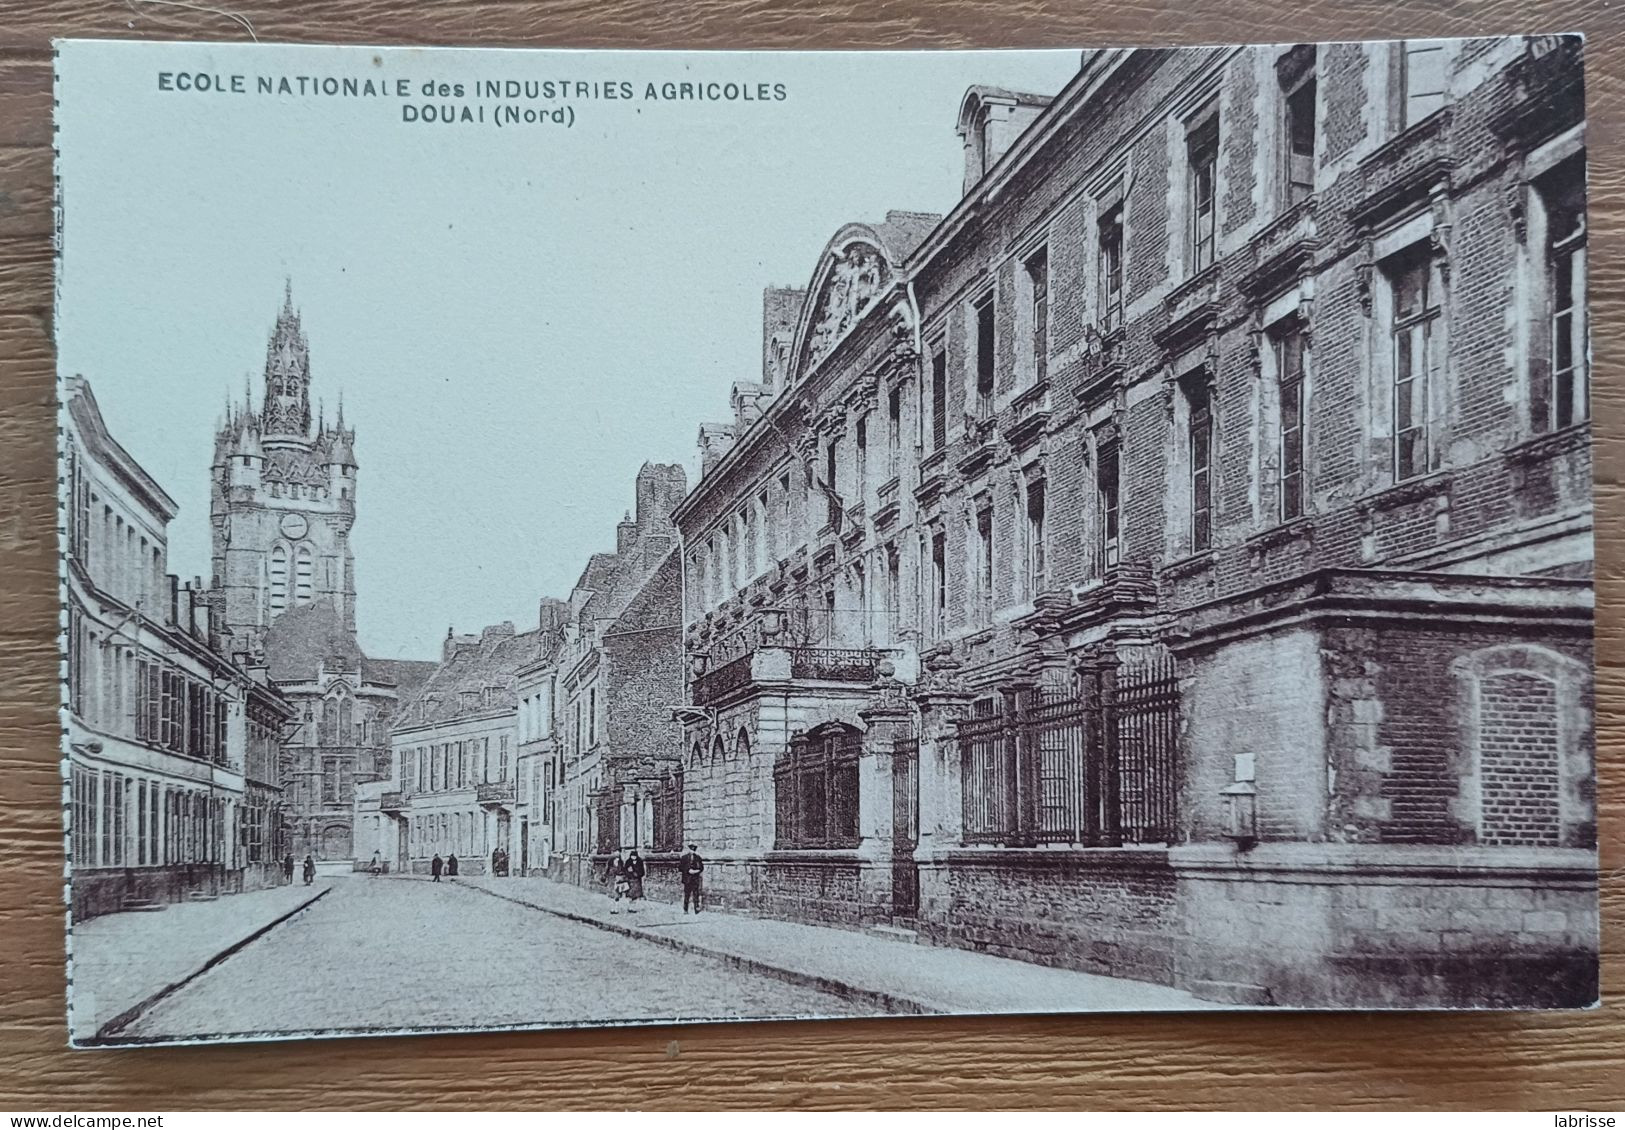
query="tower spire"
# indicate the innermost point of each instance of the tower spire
(285, 411)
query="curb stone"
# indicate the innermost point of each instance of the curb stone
(109, 1031)
(875, 998)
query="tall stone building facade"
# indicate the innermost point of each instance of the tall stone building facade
(282, 504)
(1194, 522)
(283, 498)
(608, 758)
(173, 749)
(452, 788)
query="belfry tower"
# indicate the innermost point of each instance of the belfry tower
(282, 499)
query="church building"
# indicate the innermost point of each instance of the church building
(282, 505)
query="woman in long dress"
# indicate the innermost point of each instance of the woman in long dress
(634, 879)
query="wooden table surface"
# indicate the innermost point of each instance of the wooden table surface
(1309, 1060)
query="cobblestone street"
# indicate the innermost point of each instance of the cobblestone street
(394, 954)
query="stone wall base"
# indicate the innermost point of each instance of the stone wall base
(1375, 926)
(105, 890)
(1108, 911)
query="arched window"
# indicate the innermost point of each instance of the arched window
(279, 580)
(330, 723)
(304, 576)
(696, 756)
(718, 750)
(742, 745)
(346, 731)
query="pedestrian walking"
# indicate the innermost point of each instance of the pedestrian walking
(496, 861)
(310, 871)
(376, 867)
(690, 866)
(287, 868)
(451, 867)
(634, 880)
(616, 881)
(436, 865)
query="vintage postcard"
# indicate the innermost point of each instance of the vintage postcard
(572, 538)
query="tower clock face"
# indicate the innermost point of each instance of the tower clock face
(294, 526)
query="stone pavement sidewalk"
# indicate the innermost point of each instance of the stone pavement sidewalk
(898, 976)
(123, 962)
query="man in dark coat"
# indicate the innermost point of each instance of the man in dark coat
(435, 866)
(287, 867)
(451, 867)
(310, 870)
(690, 866)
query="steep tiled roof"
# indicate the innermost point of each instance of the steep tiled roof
(477, 679)
(408, 675)
(301, 639)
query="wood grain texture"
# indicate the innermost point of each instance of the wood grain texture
(1284, 1061)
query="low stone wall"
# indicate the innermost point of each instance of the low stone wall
(812, 886)
(259, 876)
(103, 890)
(1374, 926)
(1100, 910)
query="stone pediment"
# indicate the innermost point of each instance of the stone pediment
(857, 275)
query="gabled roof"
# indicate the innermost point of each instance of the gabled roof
(408, 675)
(492, 662)
(87, 416)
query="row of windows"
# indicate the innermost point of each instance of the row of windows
(121, 691)
(449, 833)
(536, 712)
(329, 783)
(454, 765)
(1418, 89)
(1407, 373)
(292, 577)
(120, 561)
(585, 724)
(121, 820)
(336, 721)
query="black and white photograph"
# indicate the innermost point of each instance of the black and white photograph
(565, 538)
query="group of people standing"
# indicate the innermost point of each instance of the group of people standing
(309, 869)
(448, 865)
(624, 878)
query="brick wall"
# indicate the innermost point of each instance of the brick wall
(1519, 776)
(642, 674)
(1402, 728)
(1105, 911)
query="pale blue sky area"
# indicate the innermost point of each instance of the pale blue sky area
(516, 319)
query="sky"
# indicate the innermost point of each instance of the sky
(516, 318)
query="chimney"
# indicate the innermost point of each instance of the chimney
(715, 439)
(626, 534)
(174, 619)
(990, 120)
(781, 309)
